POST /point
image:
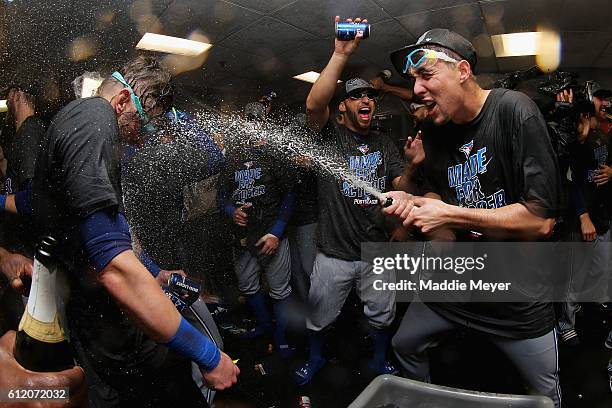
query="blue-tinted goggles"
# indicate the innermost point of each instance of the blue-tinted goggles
(422, 57)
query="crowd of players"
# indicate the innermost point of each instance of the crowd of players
(301, 230)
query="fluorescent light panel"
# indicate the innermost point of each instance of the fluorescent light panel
(516, 44)
(309, 76)
(172, 45)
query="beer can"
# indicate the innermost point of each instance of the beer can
(178, 303)
(346, 31)
(188, 290)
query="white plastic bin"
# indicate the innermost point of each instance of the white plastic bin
(387, 391)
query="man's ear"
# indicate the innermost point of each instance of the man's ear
(342, 107)
(122, 100)
(465, 71)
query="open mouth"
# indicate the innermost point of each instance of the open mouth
(430, 105)
(364, 113)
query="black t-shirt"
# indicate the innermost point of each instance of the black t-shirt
(253, 176)
(348, 215)
(21, 155)
(504, 156)
(585, 159)
(78, 173)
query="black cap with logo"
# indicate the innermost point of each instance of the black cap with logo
(442, 38)
(356, 84)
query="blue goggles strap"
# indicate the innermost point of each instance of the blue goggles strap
(135, 98)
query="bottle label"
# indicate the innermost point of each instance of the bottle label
(40, 320)
(47, 332)
(41, 302)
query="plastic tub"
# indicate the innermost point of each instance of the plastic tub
(387, 391)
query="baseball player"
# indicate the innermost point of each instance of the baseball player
(510, 192)
(348, 215)
(255, 192)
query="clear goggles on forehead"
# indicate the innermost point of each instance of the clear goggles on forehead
(147, 126)
(423, 57)
(135, 98)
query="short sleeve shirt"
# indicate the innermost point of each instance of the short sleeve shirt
(348, 214)
(504, 156)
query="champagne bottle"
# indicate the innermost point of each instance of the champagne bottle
(41, 343)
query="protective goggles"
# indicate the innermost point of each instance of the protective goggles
(422, 57)
(359, 94)
(143, 116)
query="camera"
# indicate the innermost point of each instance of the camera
(583, 94)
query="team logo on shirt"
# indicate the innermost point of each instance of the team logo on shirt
(464, 179)
(467, 148)
(363, 149)
(245, 179)
(248, 164)
(363, 171)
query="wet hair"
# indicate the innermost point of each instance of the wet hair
(28, 98)
(151, 81)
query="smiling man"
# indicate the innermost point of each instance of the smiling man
(349, 215)
(490, 169)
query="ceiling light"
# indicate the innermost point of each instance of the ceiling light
(172, 45)
(309, 76)
(516, 44)
(3, 106)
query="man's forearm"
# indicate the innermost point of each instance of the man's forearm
(510, 222)
(324, 88)
(139, 295)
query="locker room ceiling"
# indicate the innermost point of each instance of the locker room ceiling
(260, 44)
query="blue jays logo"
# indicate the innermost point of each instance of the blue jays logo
(248, 164)
(363, 149)
(467, 148)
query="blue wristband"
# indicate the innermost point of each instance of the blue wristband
(2, 202)
(190, 343)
